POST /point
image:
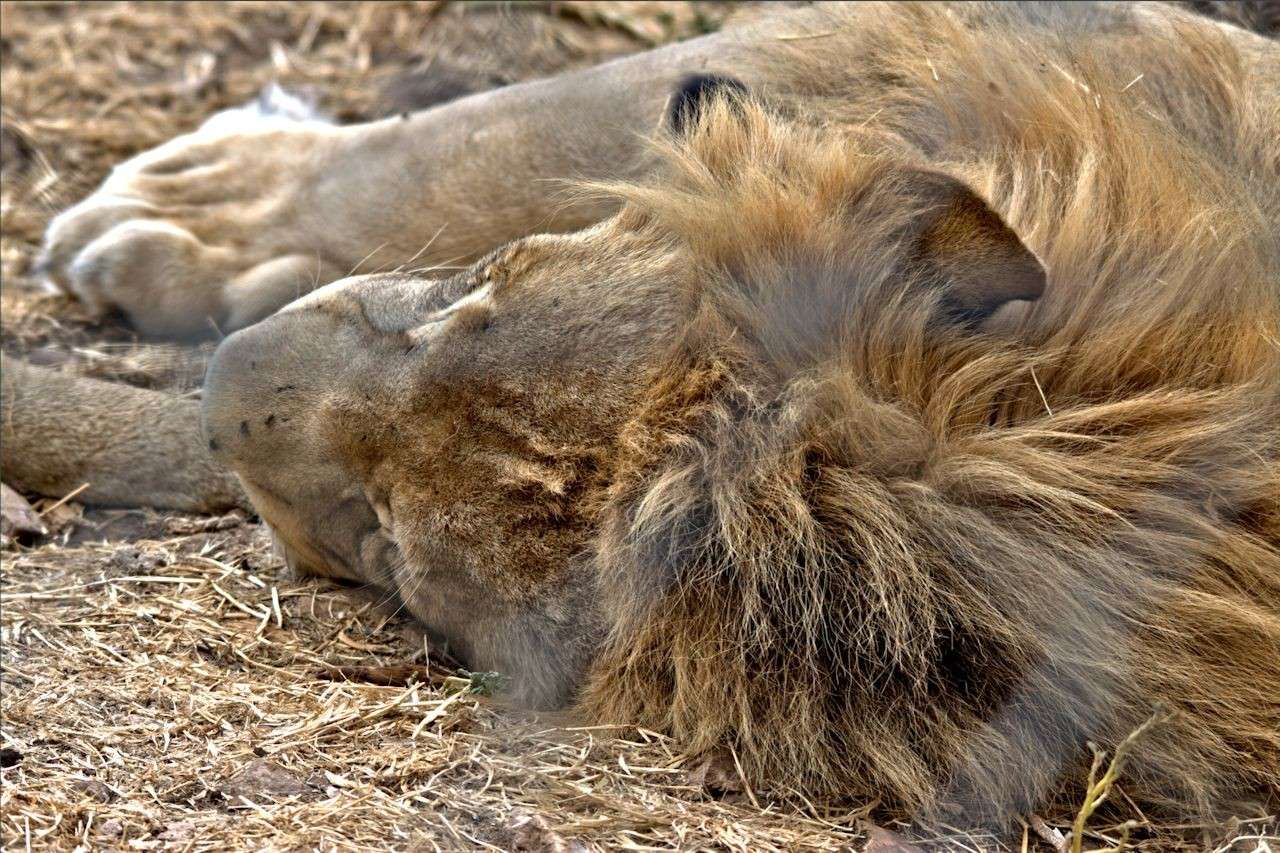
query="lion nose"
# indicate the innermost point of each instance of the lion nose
(259, 387)
(281, 396)
(267, 416)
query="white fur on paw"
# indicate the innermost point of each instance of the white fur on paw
(273, 107)
(191, 232)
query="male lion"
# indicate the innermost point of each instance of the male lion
(905, 416)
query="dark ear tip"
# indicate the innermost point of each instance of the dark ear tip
(692, 95)
(1037, 279)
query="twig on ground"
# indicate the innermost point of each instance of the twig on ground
(1099, 788)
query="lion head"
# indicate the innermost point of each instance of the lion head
(759, 460)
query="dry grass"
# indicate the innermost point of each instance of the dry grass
(172, 687)
(184, 693)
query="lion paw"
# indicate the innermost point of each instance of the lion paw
(209, 232)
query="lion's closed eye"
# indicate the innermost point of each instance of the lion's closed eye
(471, 312)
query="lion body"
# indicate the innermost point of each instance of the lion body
(716, 466)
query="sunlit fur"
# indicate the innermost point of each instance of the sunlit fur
(731, 465)
(882, 557)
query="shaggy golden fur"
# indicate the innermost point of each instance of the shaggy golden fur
(882, 558)
(801, 453)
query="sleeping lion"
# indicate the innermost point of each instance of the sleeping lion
(894, 399)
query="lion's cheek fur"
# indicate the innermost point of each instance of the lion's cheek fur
(879, 562)
(946, 627)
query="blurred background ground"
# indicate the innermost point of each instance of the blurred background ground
(165, 683)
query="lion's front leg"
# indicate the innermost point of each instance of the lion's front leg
(217, 229)
(206, 232)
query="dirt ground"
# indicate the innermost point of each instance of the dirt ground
(166, 684)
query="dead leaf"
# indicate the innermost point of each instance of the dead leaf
(96, 790)
(338, 781)
(396, 675)
(717, 774)
(17, 518)
(183, 831)
(530, 834)
(881, 840)
(59, 515)
(1048, 833)
(359, 646)
(261, 779)
(180, 526)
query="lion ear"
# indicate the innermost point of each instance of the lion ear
(967, 250)
(693, 94)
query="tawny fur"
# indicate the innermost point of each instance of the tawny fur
(733, 463)
(107, 443)
(882, 560)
